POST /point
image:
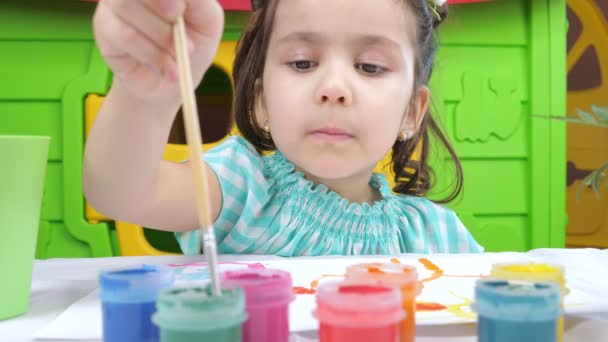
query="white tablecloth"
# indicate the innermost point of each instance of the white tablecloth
(57, 283)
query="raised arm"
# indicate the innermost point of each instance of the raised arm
(124, 176)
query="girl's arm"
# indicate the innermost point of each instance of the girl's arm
(125, 177)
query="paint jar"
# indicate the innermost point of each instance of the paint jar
(534, 272)
(194, 314)
(403, 277)
(516, 311)
(128, 300)
(268, 293)
(349, 312)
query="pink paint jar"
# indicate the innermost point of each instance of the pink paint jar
(268, 293)
(350, 312)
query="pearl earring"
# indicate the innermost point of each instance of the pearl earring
(403, 135)
(266, 127)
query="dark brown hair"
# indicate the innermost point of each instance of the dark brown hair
(412, 177)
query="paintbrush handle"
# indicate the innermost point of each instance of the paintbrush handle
(194, 139)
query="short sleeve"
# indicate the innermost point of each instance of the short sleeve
(240, 172)
(460, 238)
(433, 228)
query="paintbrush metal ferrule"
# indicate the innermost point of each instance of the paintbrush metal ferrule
(210, 250)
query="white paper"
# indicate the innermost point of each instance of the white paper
(454, 289)
(80, 321)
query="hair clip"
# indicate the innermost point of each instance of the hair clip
(434, 4)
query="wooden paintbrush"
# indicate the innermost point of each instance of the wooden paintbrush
(194, 139)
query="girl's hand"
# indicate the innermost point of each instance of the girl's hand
(136, 39)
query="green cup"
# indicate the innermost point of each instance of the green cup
(23, 162)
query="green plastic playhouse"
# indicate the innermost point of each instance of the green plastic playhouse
(500, 64)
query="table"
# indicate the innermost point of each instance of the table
(57, 283)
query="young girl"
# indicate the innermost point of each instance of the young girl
(331, 86)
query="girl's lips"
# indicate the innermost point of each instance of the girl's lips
(331, 134)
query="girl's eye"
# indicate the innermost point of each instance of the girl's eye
(302, 65)
(371, 69)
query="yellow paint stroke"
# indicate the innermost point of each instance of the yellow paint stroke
(463, 309)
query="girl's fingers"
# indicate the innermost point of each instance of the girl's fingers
(136, 38)
(204, 24)
(119, 40)
(168, 10)
(145, 19)
(204, 18)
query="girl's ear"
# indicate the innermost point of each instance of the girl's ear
(259, 107)
(416, 111)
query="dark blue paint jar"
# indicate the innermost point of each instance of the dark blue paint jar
(517, 311)
(128, 299)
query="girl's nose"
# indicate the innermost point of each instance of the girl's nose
(333, 91)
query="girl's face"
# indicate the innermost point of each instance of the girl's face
(338, 83)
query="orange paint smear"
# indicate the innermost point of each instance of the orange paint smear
(299, 290)
(464, 276)
(315, 283)
(374, 270)
(429, 265)
(430, 307)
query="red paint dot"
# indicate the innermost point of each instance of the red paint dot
(363, 289)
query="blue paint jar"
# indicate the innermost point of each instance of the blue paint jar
(517, 311)
(128, 299)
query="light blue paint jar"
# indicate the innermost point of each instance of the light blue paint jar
(517, 311)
